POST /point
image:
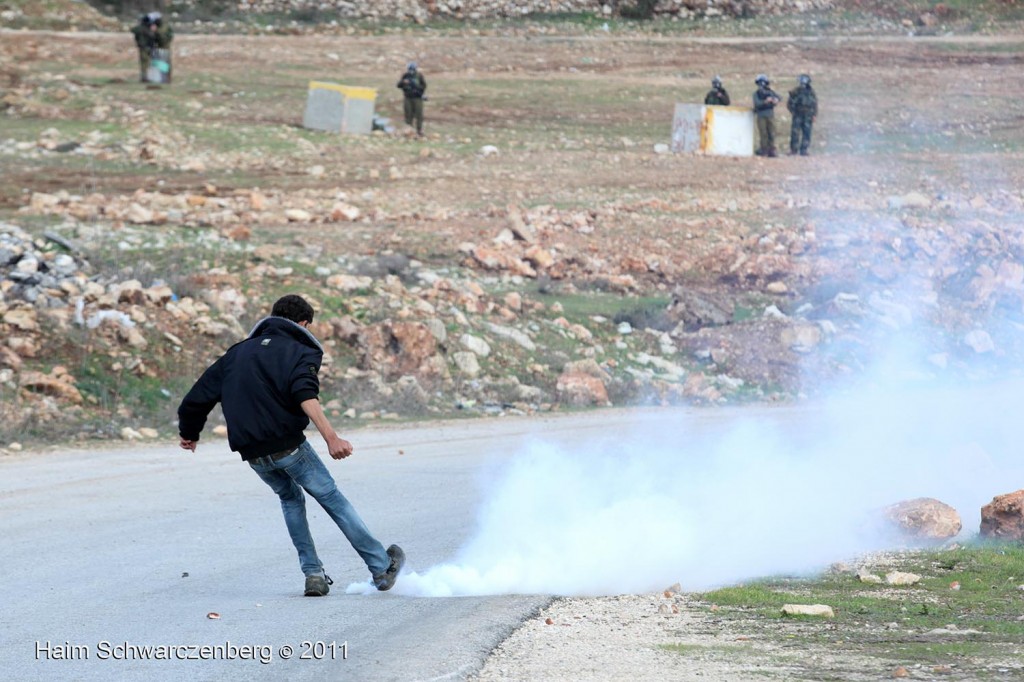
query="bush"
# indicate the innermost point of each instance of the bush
(643, 9)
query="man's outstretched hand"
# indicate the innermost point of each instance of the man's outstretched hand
(189, 444)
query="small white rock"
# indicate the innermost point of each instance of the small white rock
(820, 610)
(900, 578)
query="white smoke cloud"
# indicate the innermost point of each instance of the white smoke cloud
(788, 490)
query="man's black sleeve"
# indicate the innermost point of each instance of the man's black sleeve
(202, 398)
(304, 382)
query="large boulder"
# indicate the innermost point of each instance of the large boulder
(581, 390)
(924, 518)
(399, 348)
(1003, 517)
(583, 383)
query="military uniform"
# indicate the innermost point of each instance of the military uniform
(765, 100)
(803, 105)
(150, 34)
(414, 85)
(145, 41)
(717, 96)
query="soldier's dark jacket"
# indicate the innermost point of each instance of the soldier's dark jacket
(717, 96)
(164, 36)
(764, 107)
(802, 101)
(148, 40)
(144, 39)
(413, 84)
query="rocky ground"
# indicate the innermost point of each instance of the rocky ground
(537, 250)
(671, 635)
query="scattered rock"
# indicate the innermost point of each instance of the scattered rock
(515, 335)
(57, 383)
(909, 200)
(801, 337)
(475, 344)
(297, 215)
(900, 578)
(692, 309)
(866, 576)
(467, 363)
(345, 212)
(819, 610)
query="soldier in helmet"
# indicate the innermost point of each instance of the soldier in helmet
(413, 85)
(151, 34)
(765, 100)
(803, 105)
(145, 41)
(717, 94)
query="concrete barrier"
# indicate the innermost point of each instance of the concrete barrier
(339, 108)
(713, 130)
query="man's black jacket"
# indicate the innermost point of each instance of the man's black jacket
(260, 383)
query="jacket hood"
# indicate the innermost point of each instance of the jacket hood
(288, 326)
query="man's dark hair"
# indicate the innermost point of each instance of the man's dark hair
(293, 307)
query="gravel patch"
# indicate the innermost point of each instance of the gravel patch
(652, 636)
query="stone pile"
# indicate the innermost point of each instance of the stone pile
(41, 276)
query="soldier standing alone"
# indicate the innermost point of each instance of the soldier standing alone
(413, 84)
(717, 95)
(803, 105)
(765, 100)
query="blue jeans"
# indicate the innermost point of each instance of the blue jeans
(304, 470)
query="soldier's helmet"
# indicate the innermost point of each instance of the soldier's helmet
(761, 79)
(716, 82)
(411, 66)
(805, 79)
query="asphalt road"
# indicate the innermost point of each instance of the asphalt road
(96, 545)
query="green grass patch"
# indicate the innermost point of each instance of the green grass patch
(703, 649)
(926, 622)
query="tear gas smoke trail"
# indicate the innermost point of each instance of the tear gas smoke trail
(789, 491)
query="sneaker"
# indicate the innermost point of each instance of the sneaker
(386, 580)
(318, 585)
